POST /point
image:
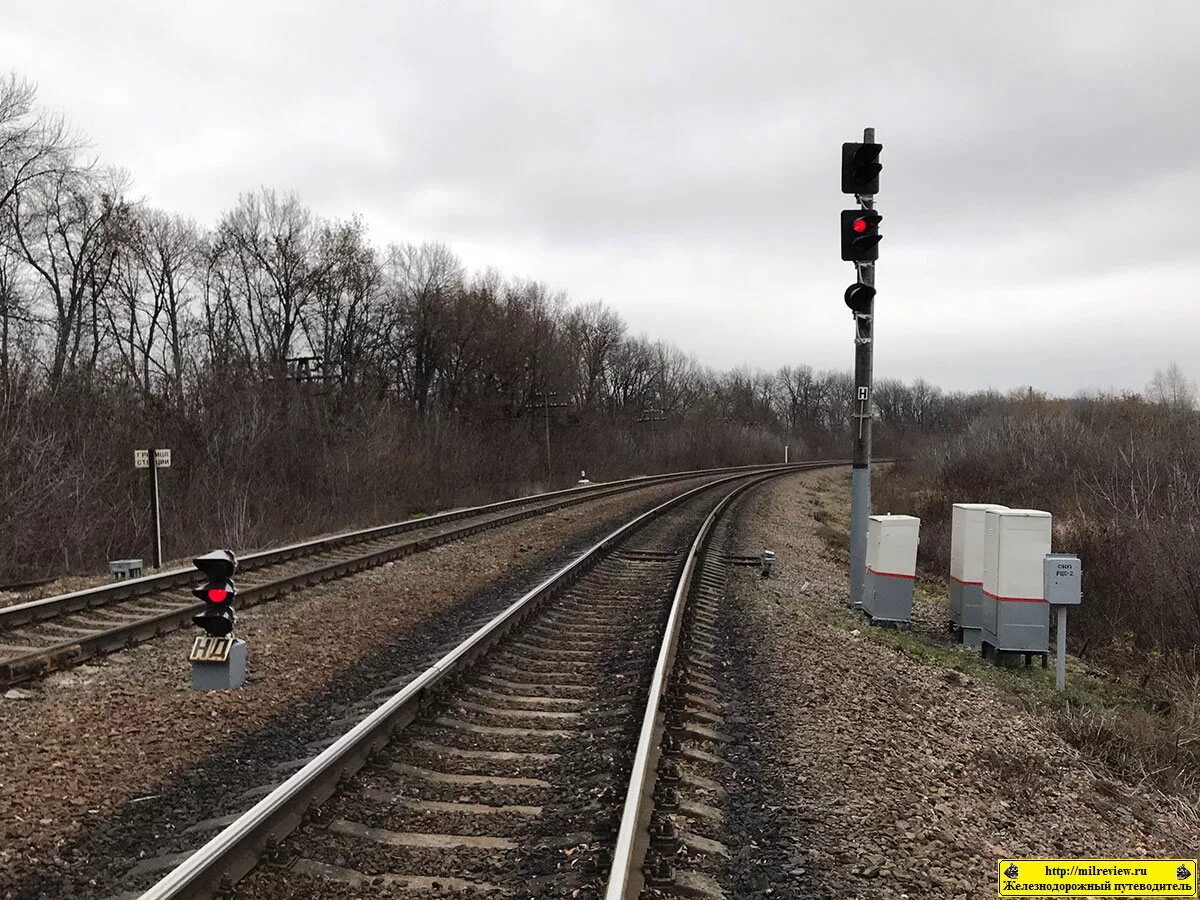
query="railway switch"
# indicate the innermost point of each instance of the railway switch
(218, 658)
(966, 570)
(891, 568)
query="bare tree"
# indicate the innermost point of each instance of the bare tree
(678, 379)
(595, 332)
(421, 281)
(69, 226)
(340, 323)
(470, 327)
(149, 313)
(33, 143)
(17, 320)
(1172, 389)
(631, 383)
(266, 268)
(528, 350)
(839, 400)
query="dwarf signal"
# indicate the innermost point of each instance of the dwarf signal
(218, 658)
(218, 593)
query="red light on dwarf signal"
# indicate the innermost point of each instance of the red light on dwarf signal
(860, 225)
(217, 595)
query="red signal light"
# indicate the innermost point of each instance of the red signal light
(860, 225)
(217, 595)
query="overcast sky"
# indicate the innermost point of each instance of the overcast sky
(681, 160)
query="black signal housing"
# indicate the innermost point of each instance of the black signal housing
(218, 593)
(861, 168)
(860, 235)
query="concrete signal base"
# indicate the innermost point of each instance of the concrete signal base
(221, 676)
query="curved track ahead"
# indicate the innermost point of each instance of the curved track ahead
(54, 633)
(500, 770)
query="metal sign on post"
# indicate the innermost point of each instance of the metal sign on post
(162, 460)
(1062, 578)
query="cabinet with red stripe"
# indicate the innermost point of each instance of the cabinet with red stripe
(966, 569)
(1014, 614)
(891, 567)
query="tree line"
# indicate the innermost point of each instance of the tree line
(97, 289)
(308, 378)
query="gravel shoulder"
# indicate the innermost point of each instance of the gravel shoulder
(106, 763)
(865, 772)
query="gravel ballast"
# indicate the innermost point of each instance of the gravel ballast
(864, 773)
(105, 764)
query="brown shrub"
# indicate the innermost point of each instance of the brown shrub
(1122, 479)
(257, 464)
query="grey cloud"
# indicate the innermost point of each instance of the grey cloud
(682, 157)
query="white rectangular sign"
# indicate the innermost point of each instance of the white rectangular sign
(162, 459)
(141, 459)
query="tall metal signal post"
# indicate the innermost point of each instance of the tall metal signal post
(860, 245)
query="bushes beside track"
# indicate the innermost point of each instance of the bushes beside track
(1122, 478)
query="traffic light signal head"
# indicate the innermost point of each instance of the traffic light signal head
(859, 297)
(861, 168)
(218, 565)
(860, 235)
(218, 592)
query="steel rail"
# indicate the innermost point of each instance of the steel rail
(40, 661)
(233, 852)
(72, 651)
(625, 880)
(48, 607)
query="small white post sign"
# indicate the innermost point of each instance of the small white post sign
(162, 460)
(1062, 580)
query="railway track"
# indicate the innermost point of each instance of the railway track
(524, 762)
(54, 633)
